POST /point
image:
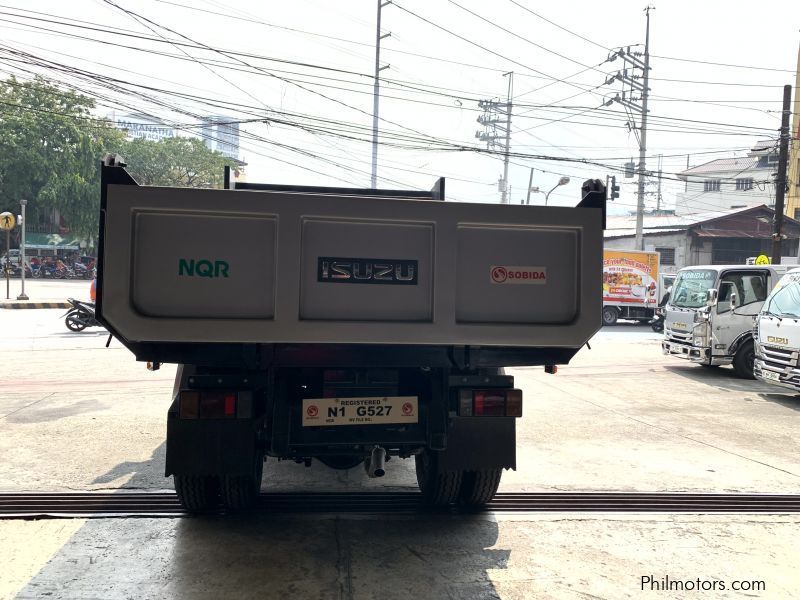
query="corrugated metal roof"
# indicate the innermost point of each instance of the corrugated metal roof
(624, 226)
(618, 233)
(724, 165)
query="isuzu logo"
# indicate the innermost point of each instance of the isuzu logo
(518, 275)
(332, 269)
(778, 340)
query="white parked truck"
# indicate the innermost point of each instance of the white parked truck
(710, 314)
(632, 285)
(342, 325)
(777, 334)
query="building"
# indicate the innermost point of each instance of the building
(222, 134)
(717, 238)
(793, 193)
(142, 127)
(731, 183)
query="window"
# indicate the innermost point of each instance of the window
(797, 214)
(749, 287)
(711, 185)
(744, 184)
(667, 255)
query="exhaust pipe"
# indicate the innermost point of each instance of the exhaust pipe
(376, 462)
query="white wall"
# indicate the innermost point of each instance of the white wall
(696, 200)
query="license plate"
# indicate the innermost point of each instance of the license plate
(326, 412)
(772, 376)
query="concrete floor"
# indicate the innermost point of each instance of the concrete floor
(75, 415)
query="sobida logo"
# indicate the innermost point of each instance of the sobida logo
(188, 267)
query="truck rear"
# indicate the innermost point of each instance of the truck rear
(343, 326)
(631, 285)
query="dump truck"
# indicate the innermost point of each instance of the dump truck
(345, 326)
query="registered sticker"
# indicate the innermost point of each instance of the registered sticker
(518, 275)
(326, 412)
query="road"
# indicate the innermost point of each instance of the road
(75, 415)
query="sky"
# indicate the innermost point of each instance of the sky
(299, 76)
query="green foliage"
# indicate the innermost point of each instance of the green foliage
(50, 145)
(176, 162)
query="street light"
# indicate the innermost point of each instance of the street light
(562, 181)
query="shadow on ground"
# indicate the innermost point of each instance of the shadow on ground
(719, 377)
(788, 400)
(261, 556)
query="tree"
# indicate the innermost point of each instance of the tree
(50, 146)
(177, 162)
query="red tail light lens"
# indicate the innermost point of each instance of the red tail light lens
(490, 403)
(211, 404)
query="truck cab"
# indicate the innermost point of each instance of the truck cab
(710, 313)
(777, 334)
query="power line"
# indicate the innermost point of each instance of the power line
(484, 48)
(554, 24)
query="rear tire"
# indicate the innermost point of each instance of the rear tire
(610, 315)
(197, 493)
(438, 488)
(744, 359)
(73, 324)
(240, 492)
(479, 487)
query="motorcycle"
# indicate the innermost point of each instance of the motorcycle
(657, 322)
(81, 271)
(80, 316)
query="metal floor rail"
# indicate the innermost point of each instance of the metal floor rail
(136, 504)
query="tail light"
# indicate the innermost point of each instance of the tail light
(208, 404)
(490, 403)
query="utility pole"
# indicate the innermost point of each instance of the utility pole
(530, 183)
(780, 182)
(494, 130)
(504, 197)
(634, 92)
(376, 93)
(658, 194)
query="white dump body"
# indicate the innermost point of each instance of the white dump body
(205, 266)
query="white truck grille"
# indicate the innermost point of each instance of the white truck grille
(779, 359)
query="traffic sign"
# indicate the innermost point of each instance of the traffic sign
(7, 221)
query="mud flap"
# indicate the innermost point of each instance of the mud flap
(480, 443)
(209, 447)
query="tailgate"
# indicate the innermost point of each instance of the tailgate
(220, 266)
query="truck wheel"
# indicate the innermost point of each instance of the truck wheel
(479, 487)
(743, 360)
(240, 492)
(197, 493)
(438, 489)
(610, 315)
